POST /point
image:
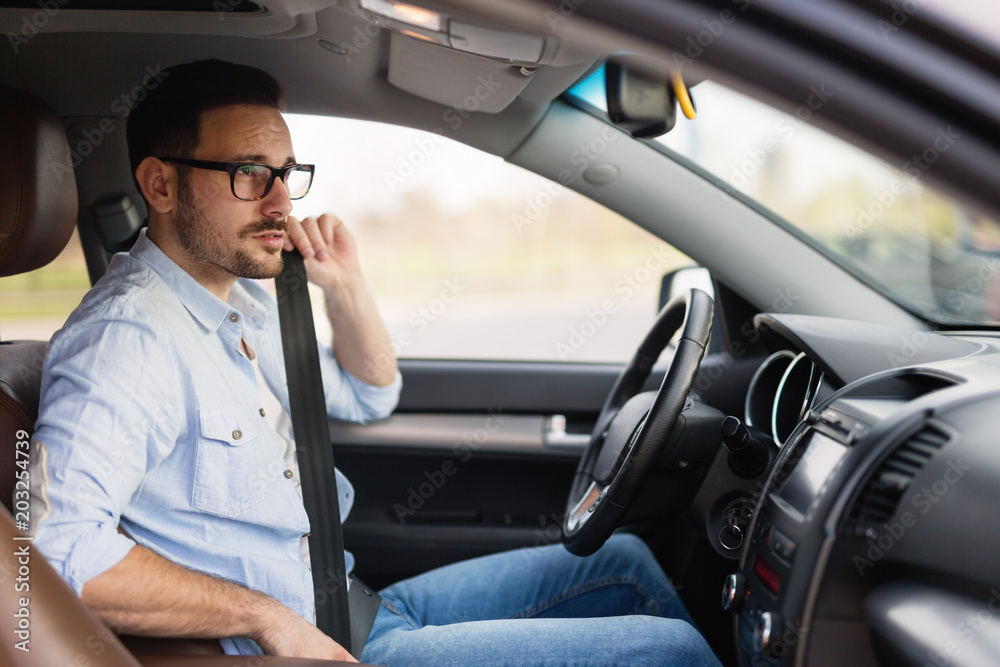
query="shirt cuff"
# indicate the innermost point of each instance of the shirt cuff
(94, 554)
(378, 402)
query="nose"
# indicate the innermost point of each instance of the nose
(277, 203)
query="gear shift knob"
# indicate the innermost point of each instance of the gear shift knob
(747, 456)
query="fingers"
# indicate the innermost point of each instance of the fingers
(312, 237)
(329, 225)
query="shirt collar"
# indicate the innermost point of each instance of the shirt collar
(208, 309)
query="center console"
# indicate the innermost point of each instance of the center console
(769, 592)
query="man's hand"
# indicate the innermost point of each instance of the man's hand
(286, 634)
(146, 594)
(328, 248)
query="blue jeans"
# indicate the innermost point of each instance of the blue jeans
(539, 606)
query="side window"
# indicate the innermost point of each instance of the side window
(470, 257)
(36, 304)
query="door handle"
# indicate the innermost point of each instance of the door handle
(554, 436)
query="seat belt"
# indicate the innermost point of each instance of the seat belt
(314, 452)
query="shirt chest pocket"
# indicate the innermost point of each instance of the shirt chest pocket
(231, 465)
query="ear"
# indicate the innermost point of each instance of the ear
(158, 181)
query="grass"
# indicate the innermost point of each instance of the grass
(42, 303)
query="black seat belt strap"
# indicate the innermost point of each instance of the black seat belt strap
(314, 451)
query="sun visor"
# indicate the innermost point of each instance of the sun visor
(453, 78)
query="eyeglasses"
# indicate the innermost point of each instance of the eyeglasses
(251, 181)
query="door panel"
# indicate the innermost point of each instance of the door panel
(472, 462)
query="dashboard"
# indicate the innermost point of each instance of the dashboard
(875, 539)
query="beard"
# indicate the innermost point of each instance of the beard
(204, 242)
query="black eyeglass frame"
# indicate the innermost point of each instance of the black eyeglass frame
(231, 168)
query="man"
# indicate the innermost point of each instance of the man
(167, 493)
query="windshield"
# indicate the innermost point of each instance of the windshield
(882, 222)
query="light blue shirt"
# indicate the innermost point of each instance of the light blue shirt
(151, 419)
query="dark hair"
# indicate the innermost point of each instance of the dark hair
(167, 121)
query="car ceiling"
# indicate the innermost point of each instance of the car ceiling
(893, 93)
(289, 40)
(894, 90)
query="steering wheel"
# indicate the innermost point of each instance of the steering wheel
(634, 428)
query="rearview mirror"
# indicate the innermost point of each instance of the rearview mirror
(639, 102)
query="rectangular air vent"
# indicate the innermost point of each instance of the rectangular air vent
(881, 493)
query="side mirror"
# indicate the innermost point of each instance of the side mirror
(682, 279)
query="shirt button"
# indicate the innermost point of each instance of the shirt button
(237, 434)
(262, 412)
(288, 474)
(234, 318)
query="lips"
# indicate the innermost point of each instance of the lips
(273, 239)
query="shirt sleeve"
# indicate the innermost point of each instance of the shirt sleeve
(348, 398)
(351, 399)
(104, 417)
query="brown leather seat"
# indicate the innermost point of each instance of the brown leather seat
(38, 211)
(37, 215)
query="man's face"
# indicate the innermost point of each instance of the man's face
(241, 238)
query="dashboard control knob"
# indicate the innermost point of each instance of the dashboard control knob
(766, 633)
(735, 436)
(733, 592)
(747, 457)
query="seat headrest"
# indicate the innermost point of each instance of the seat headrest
(37, 189)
